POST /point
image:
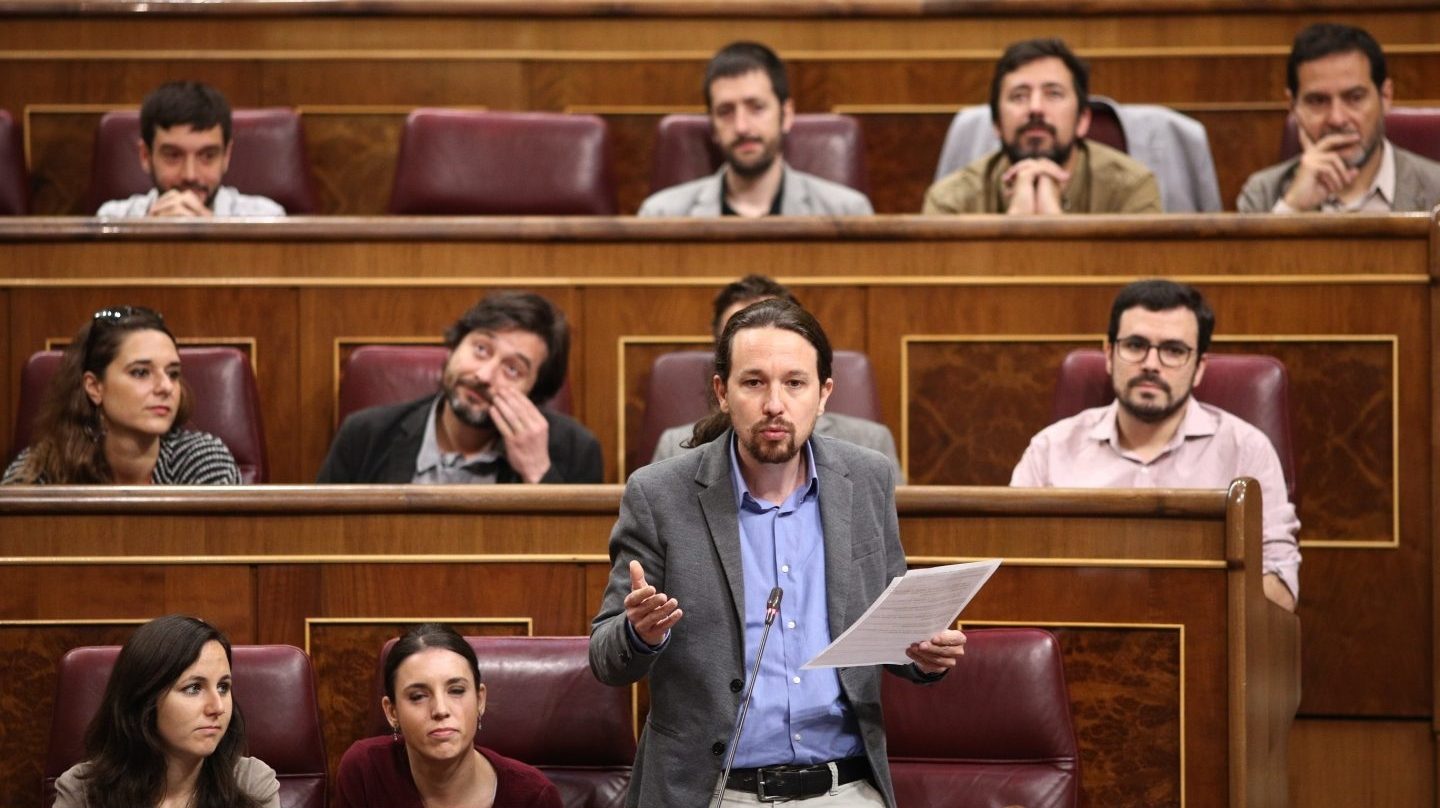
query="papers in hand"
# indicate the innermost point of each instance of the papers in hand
(914, 607)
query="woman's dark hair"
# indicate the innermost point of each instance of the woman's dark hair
(421, 637)
(123, 744)
(522, 311)
(773, 313)
(69, 446)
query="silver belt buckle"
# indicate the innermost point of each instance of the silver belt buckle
(760, 789)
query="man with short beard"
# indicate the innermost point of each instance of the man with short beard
(1155, 435)
(185, 147)
(1040, 105)
(1339, 95)
(508, 356)
(747, 94)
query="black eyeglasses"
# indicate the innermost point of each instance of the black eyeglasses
(1172, 353)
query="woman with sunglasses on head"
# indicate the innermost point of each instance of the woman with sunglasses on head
(434, 702)
(168, 734)
(114, 412)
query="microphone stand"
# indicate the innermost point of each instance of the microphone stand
(772, 608)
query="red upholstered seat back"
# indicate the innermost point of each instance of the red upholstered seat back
(1416, 129)
(678, 393)
(392, 374)
(829, 146)
(14, 181)
(274, 689)
(268, 159)
(1105, 127)
(544, 707)
(995, 731)
(464, 162)
(227, 403)
(1256, 388)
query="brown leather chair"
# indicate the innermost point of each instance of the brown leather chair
(373, 375)
(227, 402)
(274, 688)
(829, 146)
(14, 181)
(995, 731)
(1416, 129)
(544, 707)
(268, 158)
(469, 162)
(678, 393)
(1254, 387)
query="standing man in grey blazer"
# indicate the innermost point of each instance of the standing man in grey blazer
(701, 540)
(747, 95)
(1339, 94)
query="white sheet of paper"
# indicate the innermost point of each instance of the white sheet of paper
(912, 608)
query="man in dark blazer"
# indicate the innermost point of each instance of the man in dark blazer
(508, 354)
(763, 503)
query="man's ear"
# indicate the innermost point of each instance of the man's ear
(1082, 123)
(825, 390)
(1109, 357)
(1387, 96)
(787, 115)
(144, 152)
(225, 161)
(718, 385)
(1200, 366)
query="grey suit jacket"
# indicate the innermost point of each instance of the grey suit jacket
(678, 518)
(802, 195)
(1417, 184)
(848, 428)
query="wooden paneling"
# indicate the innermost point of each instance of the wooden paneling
(1135, 584)
(1338, 764)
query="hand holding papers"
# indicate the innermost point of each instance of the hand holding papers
(912, 608)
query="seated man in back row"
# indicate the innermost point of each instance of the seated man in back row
(1339, 95)
(185, 147)
(747, 95)
(508, 356)
(736, 296)
(1040, 105)
(1155, 435)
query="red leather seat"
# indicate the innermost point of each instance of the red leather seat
(227, 403)
(274, 687)
(373, 375)
(1256, 388)
(14, 181)
(268, 158)
(1416, 129)
(464, 162)
(829, 146)
(995, 731)
(678, 393)
(544, 707)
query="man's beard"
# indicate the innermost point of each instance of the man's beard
(1368, 149)
(1059, 153)
(1150, 413)
(767, 451)
(203, 191)
(761, 163)
(469, 414)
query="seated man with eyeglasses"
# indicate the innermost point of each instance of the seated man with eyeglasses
(1155, 435)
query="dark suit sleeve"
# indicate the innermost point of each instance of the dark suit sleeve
(347, 453)
(574, 453)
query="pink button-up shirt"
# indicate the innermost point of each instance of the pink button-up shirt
(1211, 448)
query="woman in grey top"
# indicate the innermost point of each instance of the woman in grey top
(168, 733)
(114, 412)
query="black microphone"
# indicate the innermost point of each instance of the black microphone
(772, 608)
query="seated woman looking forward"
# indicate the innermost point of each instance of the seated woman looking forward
(434, 701)
(114, 412)
(168, 734)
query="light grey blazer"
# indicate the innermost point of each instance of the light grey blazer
(802, 195)
(848, 428)
(679, 519)
(1417, 184)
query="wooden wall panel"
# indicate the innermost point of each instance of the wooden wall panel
(9, 378)
(1337, 764)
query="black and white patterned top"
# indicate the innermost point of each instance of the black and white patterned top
(186, 458)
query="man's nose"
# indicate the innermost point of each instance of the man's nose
(1335, 115)
(191, 166)
(773, 404)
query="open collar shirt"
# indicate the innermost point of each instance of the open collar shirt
(1210, 449)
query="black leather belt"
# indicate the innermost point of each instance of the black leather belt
(775, 783)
